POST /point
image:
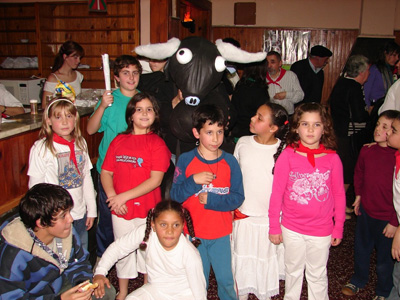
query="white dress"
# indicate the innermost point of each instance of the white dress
(172, 275)
(257, 263)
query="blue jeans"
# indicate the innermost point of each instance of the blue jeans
(80, 228)
(104, 232)
(217, 253)
(367, 236)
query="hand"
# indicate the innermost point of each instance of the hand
(75, 294)
(280, 95)
(276, 239)
(335, 241)
(389, 231)
(101, 281)
(356, 205)
(122, 211)
(203, 177)
(178, 98)
(396, 245)
(203, 198)
(107, 99)
(116, 202)
(89, 223)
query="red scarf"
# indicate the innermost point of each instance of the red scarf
(271, 81)
(311, 152)
(396, 172)
(71, 145)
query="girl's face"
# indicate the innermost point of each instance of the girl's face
(143, 116)
(168, 226)
(261, 122)
(382, 128)
(393, 139)
(391, 58)
(310, 129)
(128, 80)
(62, 122)
(73, 60)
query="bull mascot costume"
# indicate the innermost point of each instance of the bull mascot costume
(195, 66)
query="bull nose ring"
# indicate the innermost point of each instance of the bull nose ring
(192, 100)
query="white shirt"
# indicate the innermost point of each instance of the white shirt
(7, 99)
(391, 96)
(44, 167)
(257, 182)
(76, 84)
(174, 274)
(291, 85)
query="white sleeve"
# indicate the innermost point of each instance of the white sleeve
(295, 94)
(37, 164)
(89, 194)
(390, 100)
(50, 87)
(195, 275)
(119, 249)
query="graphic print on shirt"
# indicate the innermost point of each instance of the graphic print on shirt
(308, 185)
(136, 161)
(68, 176)
(211, 189)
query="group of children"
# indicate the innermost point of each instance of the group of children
(270, 211)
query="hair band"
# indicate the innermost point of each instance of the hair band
(55, 101)
(286, 122)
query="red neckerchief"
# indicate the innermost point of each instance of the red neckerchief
(311, 152)
(238, 215)
(271, 81)
(396, 172)
(71, 145)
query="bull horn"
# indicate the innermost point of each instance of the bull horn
(234, 54)
(159, 51)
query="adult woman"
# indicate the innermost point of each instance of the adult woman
(64, 70)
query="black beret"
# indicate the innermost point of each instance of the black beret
(320, 51)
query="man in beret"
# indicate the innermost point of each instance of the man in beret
(310, 74)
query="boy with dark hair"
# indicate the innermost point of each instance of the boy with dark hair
(376, 221)
(41, 256)
(208, 182)
(109, 117)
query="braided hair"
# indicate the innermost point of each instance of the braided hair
(279, 118)
(168, 205)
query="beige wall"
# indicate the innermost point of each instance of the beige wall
(372, 17)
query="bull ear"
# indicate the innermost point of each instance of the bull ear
(159, 51)
(234, 54)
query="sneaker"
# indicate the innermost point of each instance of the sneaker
(379, 298)
(350, 290)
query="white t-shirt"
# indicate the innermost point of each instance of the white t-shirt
(7, 99)
(44, 167)
(174, 274)
(256, 162)
(76, 84)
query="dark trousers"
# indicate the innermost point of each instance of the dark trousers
(104, 232)
(369, 235)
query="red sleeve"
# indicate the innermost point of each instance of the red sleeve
(161, 156)
(359, 172)
(339, 197)
(109, 160)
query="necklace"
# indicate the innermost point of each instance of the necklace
(214, 174)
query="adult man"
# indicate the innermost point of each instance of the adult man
(310, 74)
(283, 86)
(41, 256)
(9, 105)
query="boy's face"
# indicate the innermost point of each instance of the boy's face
(393, 139)
(382, 128)
(128, 79)
(210, 137)
(61, 227)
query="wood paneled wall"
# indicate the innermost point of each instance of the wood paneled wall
(340, 42)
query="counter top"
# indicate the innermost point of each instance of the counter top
(26, 122)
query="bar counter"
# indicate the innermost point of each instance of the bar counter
(16, 140)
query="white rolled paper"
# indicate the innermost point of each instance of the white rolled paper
(106, 70)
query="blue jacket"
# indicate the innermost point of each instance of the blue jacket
(28, 272)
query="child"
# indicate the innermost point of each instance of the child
(64, 69)
(209, 182)
(308, 190)
(394, 142)
(41, 255)
(255, 259)
(109, 117)
(377, 221)
(172, 262)
(132, 173)
(61, 157)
